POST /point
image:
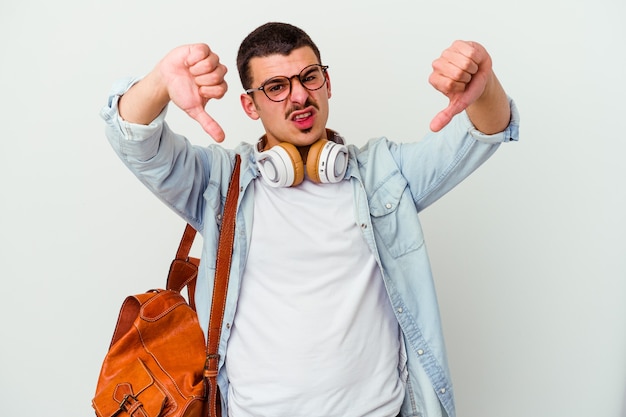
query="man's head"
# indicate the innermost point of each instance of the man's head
(284, 51)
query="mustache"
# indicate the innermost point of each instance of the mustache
(296, 107)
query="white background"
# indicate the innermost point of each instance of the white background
(528, 253)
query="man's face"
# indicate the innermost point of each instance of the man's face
(301, 118)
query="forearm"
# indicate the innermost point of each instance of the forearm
(144, 101)
(490, 113)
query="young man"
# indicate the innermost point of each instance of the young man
(331, 307)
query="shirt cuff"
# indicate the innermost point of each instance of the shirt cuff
(511, 133)
(130, 131)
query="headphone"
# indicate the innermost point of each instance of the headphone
(282, 165)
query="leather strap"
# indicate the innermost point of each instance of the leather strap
(181, 275)
(185, 243)
(220, 285)
(183, 269)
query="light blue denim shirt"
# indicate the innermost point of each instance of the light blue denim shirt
(392, 183)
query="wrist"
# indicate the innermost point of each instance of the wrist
(144, 101)
(490, 113)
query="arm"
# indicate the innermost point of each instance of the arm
(464, 74)
(189, 76)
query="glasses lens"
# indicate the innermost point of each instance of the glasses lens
(312, 77)
(277, 89)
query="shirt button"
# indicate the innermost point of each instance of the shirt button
(420, 352)
(363, 226)
(442, 390)
(228, 325)
(388, 205)
(400, 310)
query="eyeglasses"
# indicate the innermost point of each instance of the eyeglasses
(312, 77)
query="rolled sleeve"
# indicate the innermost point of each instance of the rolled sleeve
(510, 134)
(133, 140)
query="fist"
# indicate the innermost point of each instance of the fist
(194, 75)
(461, 73)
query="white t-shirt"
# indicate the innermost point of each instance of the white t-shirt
(314, 333)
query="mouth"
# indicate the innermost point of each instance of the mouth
(303, 119)
(302, 116)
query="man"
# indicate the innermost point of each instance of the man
(331, 307)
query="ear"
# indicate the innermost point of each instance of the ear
(249, 106)
(328, 89)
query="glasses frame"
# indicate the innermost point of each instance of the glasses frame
(298, 76)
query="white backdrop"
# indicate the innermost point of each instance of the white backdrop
(528, 252)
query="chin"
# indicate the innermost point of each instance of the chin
(313, 134)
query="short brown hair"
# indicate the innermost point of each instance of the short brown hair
(269, 39)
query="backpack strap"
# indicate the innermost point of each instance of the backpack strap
(184, 271)
(220, 286)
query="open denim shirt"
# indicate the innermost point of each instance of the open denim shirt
(391, 184)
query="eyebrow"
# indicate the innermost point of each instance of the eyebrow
(285, 76)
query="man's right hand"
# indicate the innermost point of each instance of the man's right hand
(189, 76)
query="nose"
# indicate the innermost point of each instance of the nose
(299, 94)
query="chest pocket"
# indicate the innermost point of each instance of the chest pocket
(394, 216)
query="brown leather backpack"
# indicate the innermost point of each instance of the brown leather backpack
(159, 364)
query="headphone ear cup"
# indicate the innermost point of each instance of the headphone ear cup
(313, 159)
(296, 162)
(281, 166)
(327, 161)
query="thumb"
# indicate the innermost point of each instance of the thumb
(209, 125)
(444, 117)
